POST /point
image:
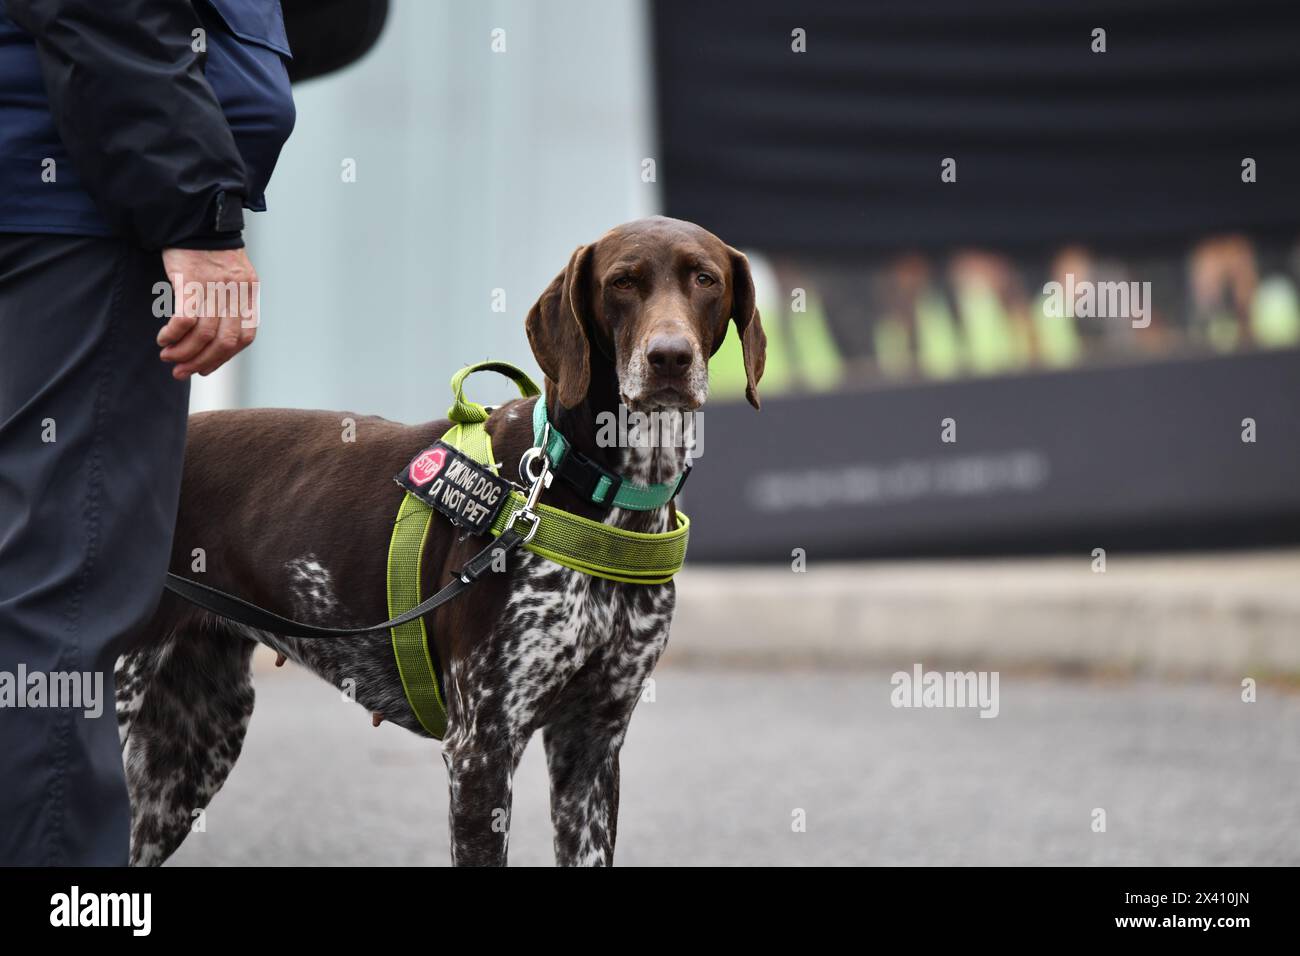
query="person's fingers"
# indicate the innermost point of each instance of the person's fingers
(226, 343)
(217, 352)
(180, 324)
(177, 327)
(194, 341)
(250, 319)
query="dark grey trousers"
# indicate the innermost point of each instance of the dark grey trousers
(92, 434)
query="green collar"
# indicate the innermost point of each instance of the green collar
(599, 485)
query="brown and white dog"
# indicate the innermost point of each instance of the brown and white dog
(294, 519)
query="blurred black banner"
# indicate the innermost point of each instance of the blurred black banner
(838, 149)
(1145, 456)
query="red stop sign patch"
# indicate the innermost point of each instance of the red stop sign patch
(426, 466)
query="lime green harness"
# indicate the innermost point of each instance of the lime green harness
(578, 543)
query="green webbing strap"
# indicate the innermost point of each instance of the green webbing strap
(411, 640)
(588, 546)
(629, 496)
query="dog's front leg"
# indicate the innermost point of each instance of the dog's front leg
(479, 778)
(586, 728)
(583, 739)
(582, 759)
(484, 741)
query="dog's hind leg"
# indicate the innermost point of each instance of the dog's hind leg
(184, 733)
(130, 678)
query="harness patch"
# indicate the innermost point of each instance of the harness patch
(456, 486)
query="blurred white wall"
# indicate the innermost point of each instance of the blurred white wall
(475, 170)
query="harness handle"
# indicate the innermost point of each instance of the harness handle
(464, 412)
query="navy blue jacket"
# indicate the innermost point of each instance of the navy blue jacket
(111, 124)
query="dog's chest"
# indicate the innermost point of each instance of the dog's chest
(557, 621)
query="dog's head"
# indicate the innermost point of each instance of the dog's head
(651, 299)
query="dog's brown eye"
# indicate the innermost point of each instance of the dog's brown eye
(623, 282)
(704, 279)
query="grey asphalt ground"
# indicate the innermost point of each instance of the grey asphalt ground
(714, 768)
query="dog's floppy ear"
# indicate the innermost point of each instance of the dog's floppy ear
(557, 329)
(753, 342)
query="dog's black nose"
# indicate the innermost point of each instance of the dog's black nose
(669, 355)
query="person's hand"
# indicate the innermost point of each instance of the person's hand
(214, 293)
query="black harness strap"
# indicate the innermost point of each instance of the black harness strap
(241, 611)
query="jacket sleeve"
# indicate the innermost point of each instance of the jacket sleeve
(138, 118)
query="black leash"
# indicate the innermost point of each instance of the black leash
(241, 611)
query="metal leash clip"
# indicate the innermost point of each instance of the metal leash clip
(537, 483)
